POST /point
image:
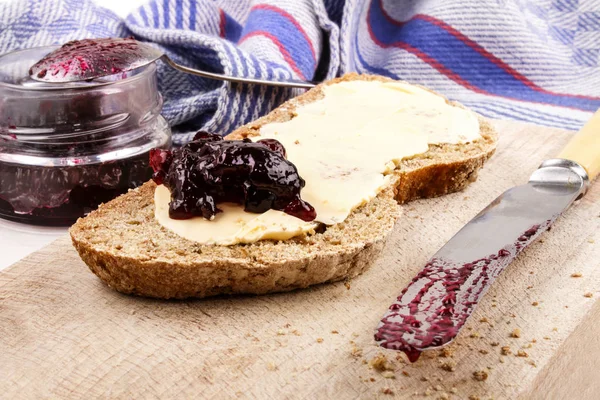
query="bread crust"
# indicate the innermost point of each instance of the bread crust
(127, 249)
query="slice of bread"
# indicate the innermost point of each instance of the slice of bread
(125, 247)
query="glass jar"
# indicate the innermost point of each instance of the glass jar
(66, 148)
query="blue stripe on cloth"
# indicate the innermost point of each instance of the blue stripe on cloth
(166, 13)
(563, 35)
(589, 21)
(264, 106)
(243, 90)
(192, 15)
(232, 94)
(370, 68)
(233, 30)
(154, 8)
(565, 5)
(586, 57)
(290, 38)
(144, 16)
(179, 14)
(431, 41)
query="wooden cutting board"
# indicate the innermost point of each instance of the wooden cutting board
(63, 334)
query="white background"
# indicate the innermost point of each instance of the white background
(18, 240)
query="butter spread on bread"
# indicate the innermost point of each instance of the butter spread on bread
(345, 146)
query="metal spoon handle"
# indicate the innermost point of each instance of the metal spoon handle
(221, 77)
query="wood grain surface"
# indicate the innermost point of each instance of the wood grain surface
(63, 334)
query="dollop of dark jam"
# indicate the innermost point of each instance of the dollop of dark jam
(210, 170)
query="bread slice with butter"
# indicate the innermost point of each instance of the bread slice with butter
(127, 244)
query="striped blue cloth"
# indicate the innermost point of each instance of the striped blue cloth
(530, 60)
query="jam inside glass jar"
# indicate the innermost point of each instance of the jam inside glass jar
(66, 148)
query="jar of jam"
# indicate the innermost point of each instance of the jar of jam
(66, 148)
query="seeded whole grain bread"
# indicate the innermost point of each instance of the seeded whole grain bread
(127, 249)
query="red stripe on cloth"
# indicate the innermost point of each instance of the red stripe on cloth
(222, 22)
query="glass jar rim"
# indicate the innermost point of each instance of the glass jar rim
(140, 73)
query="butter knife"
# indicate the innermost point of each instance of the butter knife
(432, 309)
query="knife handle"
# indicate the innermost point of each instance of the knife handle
(584, 147)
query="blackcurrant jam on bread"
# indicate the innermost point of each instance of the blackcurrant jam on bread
(210, 170)
(353, 149)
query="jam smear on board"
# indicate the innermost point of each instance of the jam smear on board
(210, 170)
(436, 304)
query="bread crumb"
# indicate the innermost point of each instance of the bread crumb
(427, 392)
(444, 396)
(532, 363)
(484, 319)
(453, 390)
(576, 275)
(449, 366)
(334, 332)
(516, 333)
(473, 397)
(480, 375)
(319, 340)
(405, 373)
(372, 379)
(546, 337)
(388, 375)
(387, 390)
(588, 294)
(591, 241)
(533, 340)
(347, 284)
(505, 350)
(482, 351)
(296, 332)
(280, 332)
(528, 346)
(522, 353)
(296, 141)
(271, 366)
(494, 344)
(475, 335)
(424, 379)
(530, 287)
(535, 304)
(501, 359)
(356, 352)
(446, 352)
(438, 388)
(555, 329)
(381, 363)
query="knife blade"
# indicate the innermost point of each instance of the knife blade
(436, 304)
